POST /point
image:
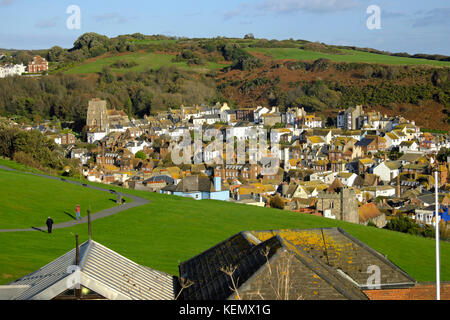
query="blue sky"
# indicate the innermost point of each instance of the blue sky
(406, 26)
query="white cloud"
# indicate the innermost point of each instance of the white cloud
(112, 17)
(438, 16)
(316, 6)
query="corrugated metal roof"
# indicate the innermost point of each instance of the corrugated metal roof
(125, 276)
(47, 275)
(111, 270)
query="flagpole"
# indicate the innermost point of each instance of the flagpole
(437, 218)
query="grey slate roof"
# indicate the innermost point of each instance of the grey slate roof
(166, 178)
(195, 183)
(209, 282)
(364, 142)
(323, 264)
(106, 272)
(410, 157)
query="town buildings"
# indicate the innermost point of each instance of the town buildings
(367, 171)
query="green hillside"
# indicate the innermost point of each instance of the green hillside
(171, 229)
(144, 61)
(28, 200)
(346, 56)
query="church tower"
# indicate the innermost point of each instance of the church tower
(97, 116)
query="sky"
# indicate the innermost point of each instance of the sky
(405, 26)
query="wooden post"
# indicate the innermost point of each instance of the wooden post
(77, 251)
(89, 224)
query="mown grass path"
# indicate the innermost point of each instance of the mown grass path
(137, 201)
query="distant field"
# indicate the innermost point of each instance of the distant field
(348, 56)
(27, 201)
(144, 60)
(172, 229)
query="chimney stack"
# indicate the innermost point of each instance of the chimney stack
(398, 186)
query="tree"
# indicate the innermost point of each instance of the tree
(140, 155)
(276, 202)
(107, 75)
(55, 54)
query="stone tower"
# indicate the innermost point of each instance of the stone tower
(349, 206)
(97, 116)
(342, 203)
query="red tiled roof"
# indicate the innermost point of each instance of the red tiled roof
(421, 291)
(368, 211)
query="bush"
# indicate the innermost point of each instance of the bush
(406, 225)
(123, 64)
(140, 155)
(276, 202)
(26, 159)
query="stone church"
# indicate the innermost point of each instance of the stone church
(102, 119)
(97, 115)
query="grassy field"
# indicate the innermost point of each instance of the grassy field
(27, 200)
(144, 61)
(172, 229)
(347, 56)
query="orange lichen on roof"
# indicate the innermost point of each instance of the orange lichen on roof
(111, 167)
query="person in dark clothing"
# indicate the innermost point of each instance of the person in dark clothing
(49, 224)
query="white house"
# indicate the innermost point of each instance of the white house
(311, 121)
(81, 154)
(425, 215)
(199, 121)
(387, 170)
(392, 140)
(347, 178)
(240, 132)
(96, 136)
(12, 70)
(259, 111)
(380, 191)
(136, 146)
(326, 177)
(408, 146)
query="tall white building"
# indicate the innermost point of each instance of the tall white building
(12, 70)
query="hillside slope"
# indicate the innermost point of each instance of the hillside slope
(146, 74)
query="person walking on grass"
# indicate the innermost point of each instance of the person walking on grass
(78, 212)
(49, 224)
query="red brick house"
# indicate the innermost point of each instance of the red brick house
(38, 64)
(248, 171)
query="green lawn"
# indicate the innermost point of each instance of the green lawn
(144, 60)
(172, 229)
(27, 200)
(347, 56)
